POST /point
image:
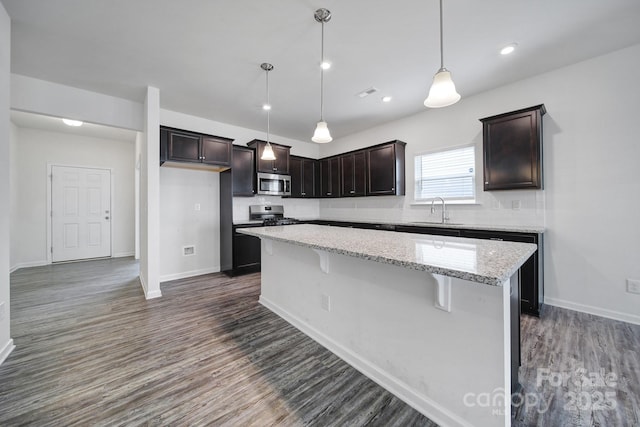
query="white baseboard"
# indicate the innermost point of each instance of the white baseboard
(185, 274)
(6, 350)
(589, 309)
(147, 294)
(27, 265)
(419, 402)
(123, 254)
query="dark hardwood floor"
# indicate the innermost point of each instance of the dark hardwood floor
(578, 370)
(90, 350)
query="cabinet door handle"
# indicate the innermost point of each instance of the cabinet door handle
(303, 194)
(496, 238)
(328, 194)
(204, 158)
(352, 191)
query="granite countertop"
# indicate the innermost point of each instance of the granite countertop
(248, 222)
(483, 261)
(490, 227)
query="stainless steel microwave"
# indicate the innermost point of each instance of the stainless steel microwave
(274, 185)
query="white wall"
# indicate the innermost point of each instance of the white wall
(592, 192)
(182, 225)
(6, 343)
(181, 189)
(35, 149)
(14, 212)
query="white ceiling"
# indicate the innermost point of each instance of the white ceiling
(205, 55)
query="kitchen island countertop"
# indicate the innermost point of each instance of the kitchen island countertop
(481, 261)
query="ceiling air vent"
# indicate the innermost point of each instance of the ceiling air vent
(367, 92)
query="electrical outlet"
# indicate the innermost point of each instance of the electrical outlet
(197, 207)
(516, 205)
(326, 302)
(633, 286)
(2, 311)
(188, 250)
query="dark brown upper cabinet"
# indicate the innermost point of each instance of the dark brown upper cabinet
(512, 149)
(243, 171)
(385, 169)
(304, 176)
(330, 177)
(181, 146)
(278, 166)
(353, 174)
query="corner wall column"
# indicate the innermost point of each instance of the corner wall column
(150, 197)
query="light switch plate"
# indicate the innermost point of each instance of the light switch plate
(326, 302)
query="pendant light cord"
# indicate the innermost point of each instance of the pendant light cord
(269, 109)
(441, 43)
(322, 73)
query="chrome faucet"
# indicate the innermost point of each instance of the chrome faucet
(445, 214)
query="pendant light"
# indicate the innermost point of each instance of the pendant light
(267, 154)
(321, 134)
(443, 91)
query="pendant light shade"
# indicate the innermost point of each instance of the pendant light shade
(443, 91)
(321, 134)
(267, 153)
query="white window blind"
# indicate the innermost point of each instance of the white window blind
(448, 174)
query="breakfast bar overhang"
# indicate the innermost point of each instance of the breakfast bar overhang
(429, 318)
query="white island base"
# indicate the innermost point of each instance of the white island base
(452, 366)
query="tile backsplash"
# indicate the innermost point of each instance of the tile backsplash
(293, 208)
(515, 207)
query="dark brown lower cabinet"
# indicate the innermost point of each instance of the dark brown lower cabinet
(437, 231)
(531, 272)
(246, 253)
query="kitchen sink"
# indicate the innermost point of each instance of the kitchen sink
(435, 223)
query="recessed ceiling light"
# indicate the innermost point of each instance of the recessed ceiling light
(508, 49)
(386, 99)
(74, 123)
(325, 65)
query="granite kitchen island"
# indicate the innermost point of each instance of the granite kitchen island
(429, 318)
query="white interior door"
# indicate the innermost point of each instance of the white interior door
(80, 213)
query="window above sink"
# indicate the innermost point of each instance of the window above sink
(449, 174)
